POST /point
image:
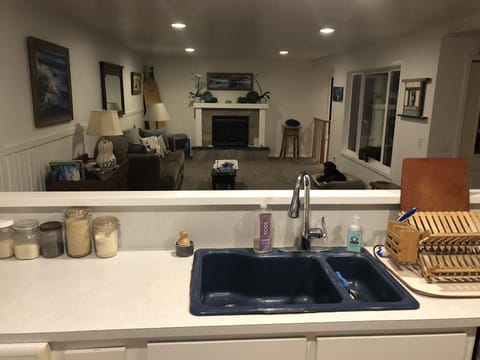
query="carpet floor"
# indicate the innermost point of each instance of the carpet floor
(270, 174)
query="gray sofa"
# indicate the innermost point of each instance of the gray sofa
(148, 171)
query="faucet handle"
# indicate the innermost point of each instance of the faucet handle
(316, 233)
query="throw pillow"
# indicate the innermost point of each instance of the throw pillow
(155, 132)
(152, 146)
(133, 136)
(162, 144)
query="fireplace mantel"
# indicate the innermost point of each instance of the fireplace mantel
(229, 106)
(199, 107)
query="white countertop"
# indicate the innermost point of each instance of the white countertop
(145, 294)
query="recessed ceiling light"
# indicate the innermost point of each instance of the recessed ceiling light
(327, 30)
(189, 50)
(179, 25)
(283, 52)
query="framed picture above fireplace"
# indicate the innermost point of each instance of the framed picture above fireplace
(229, 81)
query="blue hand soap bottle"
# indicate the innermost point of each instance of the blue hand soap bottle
(354, 237)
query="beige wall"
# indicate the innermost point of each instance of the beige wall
(416, 59)
(289, 81)
(20, 19)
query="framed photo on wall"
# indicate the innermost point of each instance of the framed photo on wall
(337, 94)
(136, 81)
(229, 81)
(50, 81)
(414, 97)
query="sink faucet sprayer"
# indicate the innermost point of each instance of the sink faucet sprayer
(293, 211)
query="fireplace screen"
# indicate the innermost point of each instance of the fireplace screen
(229, 131)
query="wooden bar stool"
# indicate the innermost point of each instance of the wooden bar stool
(290, 133)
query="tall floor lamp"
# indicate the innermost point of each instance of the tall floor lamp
(104, 123)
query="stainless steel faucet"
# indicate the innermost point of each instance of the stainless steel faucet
(293, 211)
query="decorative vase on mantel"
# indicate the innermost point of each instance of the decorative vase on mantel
(197, 99)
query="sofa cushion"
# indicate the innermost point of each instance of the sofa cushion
(162, 144)
(156, 132)
(171, 170)
(132, 136)
(177, 157)
(152, 145)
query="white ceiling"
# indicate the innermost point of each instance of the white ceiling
(260, 28)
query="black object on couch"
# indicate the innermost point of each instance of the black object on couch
(148, 171)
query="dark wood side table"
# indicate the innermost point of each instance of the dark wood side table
(106, 181)
(223, 177)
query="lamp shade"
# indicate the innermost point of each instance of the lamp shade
(104, 123)
(157, 112)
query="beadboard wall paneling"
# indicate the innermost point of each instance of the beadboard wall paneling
(25, 165)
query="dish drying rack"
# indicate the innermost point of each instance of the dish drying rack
(444, 246)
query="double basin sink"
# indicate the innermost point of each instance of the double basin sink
(239, 281)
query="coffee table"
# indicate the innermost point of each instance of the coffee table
(224, 173)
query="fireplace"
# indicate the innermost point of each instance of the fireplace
(229, 130)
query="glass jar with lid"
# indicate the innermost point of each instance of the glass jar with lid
(26, 242)
(106, 234)
(78, 231)
(51, 239)
(6, 238)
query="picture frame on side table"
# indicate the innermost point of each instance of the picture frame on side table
(67, 170)
(51, 82)
(136, 82)
(229, 81)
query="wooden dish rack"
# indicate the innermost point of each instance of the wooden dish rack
(444, 245)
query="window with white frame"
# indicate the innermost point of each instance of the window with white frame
(373, 110)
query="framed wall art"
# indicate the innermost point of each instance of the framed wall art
(136, 81)
(414, 97)
(337, 94)
(50, 81)
(229, 81)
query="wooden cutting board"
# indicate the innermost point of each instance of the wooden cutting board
(435, 184)
(151, 95)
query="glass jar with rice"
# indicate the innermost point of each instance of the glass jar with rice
(78, 231)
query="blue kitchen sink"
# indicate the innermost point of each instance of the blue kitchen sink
(239, 281)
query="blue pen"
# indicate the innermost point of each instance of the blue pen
(407, 214)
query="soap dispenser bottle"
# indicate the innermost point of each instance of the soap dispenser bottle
(262, 242)
(354, 236)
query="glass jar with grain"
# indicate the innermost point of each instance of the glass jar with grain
(106, 234)
(6, 238)
(26, 242)
(78, 231)
(51, 239)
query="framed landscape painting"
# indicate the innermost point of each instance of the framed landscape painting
(136, 81)
(51, 83)
(229, 81)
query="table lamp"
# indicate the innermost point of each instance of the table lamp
(156, 112)
(104, 123)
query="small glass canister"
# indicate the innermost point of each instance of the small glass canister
(26, 244)
(6, 238)
(51, 239)
(78, 231)
(106, 232)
